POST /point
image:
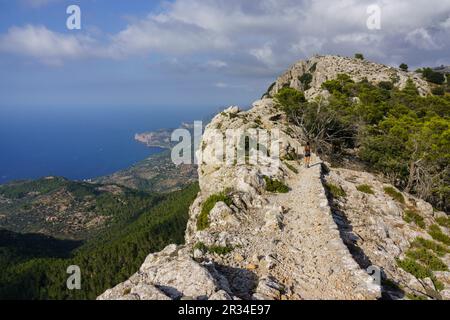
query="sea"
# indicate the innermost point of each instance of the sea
(80, 143)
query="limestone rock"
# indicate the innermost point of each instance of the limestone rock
(297, 245)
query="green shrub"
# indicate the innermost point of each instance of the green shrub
(427, 258)
(365, 188)
(387, 85)
(290, 99)
(436, 233)
(397, 196)
(433, 76)
(431, 245)
(443, 221)
(313, 67)
(306, 79)
(336, 191)
(291, 156)
(412, 216)
(359, 56)
(201, 246)
(438, 91)
(220, 250)
(203, 219)
(291, 167)
(275, 186)
(413, 296)
(439, 286)
(404, 67)
(414, 268)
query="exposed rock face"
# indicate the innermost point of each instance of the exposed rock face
(296, 245)
(323, 68)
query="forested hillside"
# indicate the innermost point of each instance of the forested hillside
(67, 209)
(34, 266)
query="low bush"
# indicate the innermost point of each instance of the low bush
(203, 219)
(275, 186)
(438, 91)
(414, 268)
(291, 167)
(436, 233)
(335, 191)
(365, 188)
(220, 250)
(427, 258)
(443, 221)
(412, 216)
(440, 250)
(397, 196)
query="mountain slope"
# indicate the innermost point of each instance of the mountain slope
(268, 231)
(34, 266)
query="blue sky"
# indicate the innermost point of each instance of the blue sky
(196, 52)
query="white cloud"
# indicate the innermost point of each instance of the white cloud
(264, 54)
(422, 39)
(48, 46)
(308, 46)
(217, 64)
(248, 35)
(37, 3)
(446, 24)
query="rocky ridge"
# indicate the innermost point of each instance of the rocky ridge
(324, 68)
(303, 244)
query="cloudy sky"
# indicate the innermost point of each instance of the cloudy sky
(197, 52)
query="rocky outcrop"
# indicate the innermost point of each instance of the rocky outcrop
(374, 227)
(323, 68)
(299, 244)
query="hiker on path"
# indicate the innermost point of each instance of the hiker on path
(308, 155)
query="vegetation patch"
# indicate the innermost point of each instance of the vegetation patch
(427, 258)
(438, 285)
(306, 79)
(436, 233)
(365, 188)
(416, 269)
(275, 186)
(208, 205)
(386, 85)
(397, 196)
(443, 221)
(291, 167)
(335, 191)
(413, 296)
(412, 216)
(219, 250)
(440, 250)
(289, 99)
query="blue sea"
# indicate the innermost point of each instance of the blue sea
(80, 143)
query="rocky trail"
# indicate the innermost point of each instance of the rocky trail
(297, 246)
(313, 258)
